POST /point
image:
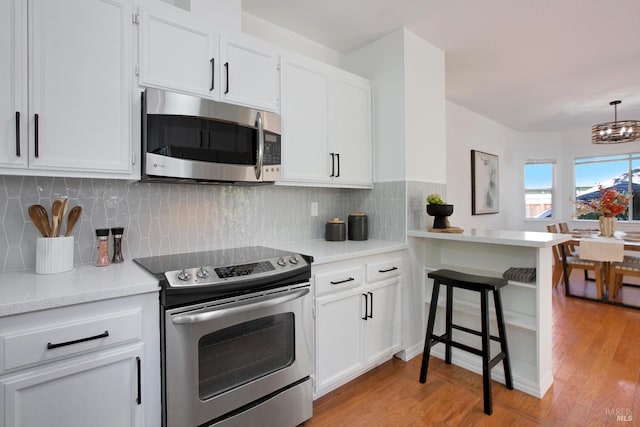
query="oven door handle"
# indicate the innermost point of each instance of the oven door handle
(239, 307)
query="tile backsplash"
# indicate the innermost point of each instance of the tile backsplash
(173, 218)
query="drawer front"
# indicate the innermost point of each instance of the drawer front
(51, 342)
(337, 280)
(381, 270)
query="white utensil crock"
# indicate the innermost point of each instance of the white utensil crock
(54, 254)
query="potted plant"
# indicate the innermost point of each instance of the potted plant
(439, 210)
(610, 204)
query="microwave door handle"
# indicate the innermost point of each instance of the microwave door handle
(260, 159)
(238, 308)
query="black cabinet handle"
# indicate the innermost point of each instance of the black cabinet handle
(350, 279)
(333, 165)
(36, 119)
(18, 133)
(213, 74)
(388, 270)
(366, 306)
(139, 397)
(338, 157)
(78, 341)
(226, 67)
(371, 306)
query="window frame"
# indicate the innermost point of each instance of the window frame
(553, 163)
(629, 157)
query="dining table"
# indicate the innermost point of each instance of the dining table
(600, 249)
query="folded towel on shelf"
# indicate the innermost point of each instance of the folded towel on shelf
(520, 274)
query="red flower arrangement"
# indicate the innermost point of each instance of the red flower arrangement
(610, 204)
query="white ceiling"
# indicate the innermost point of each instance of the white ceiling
(532, 65)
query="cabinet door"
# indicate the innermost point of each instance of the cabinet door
(305, 122)
(383, 335)
(249, 74)
(351, 112)
(79, 52)
(178, 56)
(13, 81)
(67, 394)
(339, 338)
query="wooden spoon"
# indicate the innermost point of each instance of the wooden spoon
(74, 215)
(40, 218)
(56, 210)
(65, 204)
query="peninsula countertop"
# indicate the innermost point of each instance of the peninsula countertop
(534, 239)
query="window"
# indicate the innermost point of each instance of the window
(538, 189)
(621, 172)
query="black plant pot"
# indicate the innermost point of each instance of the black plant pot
(439, 214)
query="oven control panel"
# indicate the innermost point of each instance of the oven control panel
(210, 275)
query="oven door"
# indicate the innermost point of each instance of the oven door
(219, 359)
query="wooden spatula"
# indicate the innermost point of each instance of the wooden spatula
(40, 218)
(56, 211)
(74, 215)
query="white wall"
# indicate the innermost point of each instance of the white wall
(468, 131)
(220, 15)
(286, 39)
(387, 80)
(425, 108)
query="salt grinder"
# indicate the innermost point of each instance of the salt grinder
(103, 250)
(117, 244)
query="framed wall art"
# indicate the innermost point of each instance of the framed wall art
(484, 183)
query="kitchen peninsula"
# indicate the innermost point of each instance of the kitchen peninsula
(527, 306)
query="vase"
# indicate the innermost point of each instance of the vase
(439, 214)
(607, 225)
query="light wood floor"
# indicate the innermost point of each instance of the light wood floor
(596, 364)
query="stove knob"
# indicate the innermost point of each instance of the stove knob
(293, 260)
(184, 276)
(202, 273)
(281, 262)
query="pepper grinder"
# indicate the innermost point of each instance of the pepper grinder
(117, 244)
(103, 251)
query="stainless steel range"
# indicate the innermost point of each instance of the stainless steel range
(236, 337)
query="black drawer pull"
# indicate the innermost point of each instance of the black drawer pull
(62, 344)
(139, 397)
(388, 270)
(350, 279)
(18, 133)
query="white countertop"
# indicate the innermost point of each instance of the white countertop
(324, 251)
(25, 291)
(533, 239)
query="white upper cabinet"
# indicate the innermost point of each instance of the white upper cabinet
(326, 126)
(251, 73)
(77, 121)
(305, 123)
(189, 57)
(177, 56)
(351, 108)
(13, 90)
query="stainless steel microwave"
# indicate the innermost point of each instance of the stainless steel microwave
(186, 138)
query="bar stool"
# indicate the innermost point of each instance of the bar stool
(482, 285)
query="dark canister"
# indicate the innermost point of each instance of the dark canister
(335, 230)
(358, 226)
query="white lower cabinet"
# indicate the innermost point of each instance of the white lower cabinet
(94, 364)
(358, 323)
(95, 390)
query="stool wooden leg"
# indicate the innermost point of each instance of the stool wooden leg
(486, 353)
(430, 323)
(497, 300)
(448, 323)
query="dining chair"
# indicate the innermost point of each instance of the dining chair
(564, 229)
(573, 262)
(617, 271)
